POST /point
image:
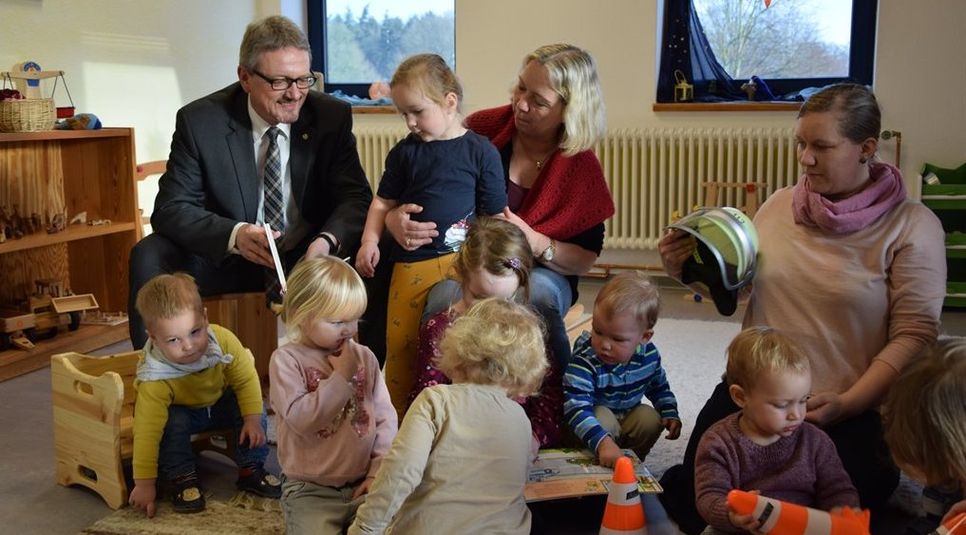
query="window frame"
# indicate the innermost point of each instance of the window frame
(316, 11)
(861, 53)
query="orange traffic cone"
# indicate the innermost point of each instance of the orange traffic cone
(784, 518)
(624, 513)
(953, 526)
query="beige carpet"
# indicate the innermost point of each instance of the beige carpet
(242, 514)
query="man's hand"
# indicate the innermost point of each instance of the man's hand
(409, 234)
(143, 495)
(673, 426)
(253, 245)
(252, 430)
(608, 452)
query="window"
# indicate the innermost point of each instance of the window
(790, 44)
(357, 42)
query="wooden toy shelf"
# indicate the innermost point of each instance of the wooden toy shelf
(69, 171)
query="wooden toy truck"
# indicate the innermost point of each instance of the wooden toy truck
(47, 310)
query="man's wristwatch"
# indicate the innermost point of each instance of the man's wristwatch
(547, 254)
(333, 245)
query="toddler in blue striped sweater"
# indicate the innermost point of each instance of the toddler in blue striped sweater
(614, 367)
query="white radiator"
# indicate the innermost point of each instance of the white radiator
(373, 144)
(654, 173)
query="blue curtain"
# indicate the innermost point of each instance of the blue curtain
(686, 48)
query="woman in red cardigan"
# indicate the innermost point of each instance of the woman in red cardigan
(555, 185)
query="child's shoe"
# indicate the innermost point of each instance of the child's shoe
(258, 481)
(186, 494)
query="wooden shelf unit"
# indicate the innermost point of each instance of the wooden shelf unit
(74, 171)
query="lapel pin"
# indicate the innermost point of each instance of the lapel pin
(305, 136)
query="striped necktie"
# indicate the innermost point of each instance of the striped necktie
(274, 206)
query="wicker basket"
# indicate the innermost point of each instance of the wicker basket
(27, 115)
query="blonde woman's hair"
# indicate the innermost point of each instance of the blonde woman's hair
(924, 416)
(756, 350)
(166, 296)
(630, 292)
(573, 76)
(498, 247)
(430, 75)
(496, 342)
(325, 287)
(268, 34)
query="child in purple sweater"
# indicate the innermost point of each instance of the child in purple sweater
(767, 446)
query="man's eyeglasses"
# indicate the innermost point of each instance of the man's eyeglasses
(283, 83)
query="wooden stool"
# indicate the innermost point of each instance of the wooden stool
(246, 315)
(93, 403)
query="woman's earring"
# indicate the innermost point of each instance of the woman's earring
(863, 159)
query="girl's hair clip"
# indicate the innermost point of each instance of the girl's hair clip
(513, 263)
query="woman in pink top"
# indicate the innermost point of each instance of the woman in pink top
(849, 268)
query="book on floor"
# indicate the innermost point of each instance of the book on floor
(571, 473)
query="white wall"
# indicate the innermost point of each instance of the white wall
(920, 80)
(134, 62)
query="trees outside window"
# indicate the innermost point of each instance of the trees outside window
(357, 42)
(790, 44)
(786, 39)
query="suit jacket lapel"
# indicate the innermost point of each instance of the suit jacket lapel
(303, 138)
(241, 148)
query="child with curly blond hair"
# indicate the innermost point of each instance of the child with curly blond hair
(461, 456)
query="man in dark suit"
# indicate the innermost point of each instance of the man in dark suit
(262, 150)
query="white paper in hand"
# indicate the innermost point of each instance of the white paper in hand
(278, 263)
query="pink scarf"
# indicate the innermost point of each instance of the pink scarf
(855, 212)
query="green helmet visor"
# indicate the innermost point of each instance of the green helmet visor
(726, 256)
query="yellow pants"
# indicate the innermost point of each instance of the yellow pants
(408, 290)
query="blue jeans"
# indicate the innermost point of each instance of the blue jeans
(175, 455)
(550, 296)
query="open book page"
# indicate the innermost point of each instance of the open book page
(569, 473)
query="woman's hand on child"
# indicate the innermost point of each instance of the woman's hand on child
(409, 234)
(143, 495)
(363, 487)
(533, 237)
(367, 259)
(608, 452)
(673, 426)
(825, 408)
(252, 431)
